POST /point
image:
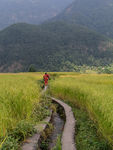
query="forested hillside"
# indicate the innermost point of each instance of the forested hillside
(29, 11)
(54, 46)
(94, 14)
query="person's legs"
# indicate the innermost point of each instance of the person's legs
(46, 85)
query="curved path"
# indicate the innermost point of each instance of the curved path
(68, 142)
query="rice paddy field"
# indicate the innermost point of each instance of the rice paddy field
(22, 106)
(91, 92)
(19, 95)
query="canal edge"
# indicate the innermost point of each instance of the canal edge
(68, 136)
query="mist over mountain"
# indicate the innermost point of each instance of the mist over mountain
(53, 46)
(60, 44)
(29, 11)
(94, 14)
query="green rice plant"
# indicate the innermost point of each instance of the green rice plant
(92, 92)
(3, 142)
(19, 93)
(10, 144)
(21, 107)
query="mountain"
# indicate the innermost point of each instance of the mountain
(94, 14)
(29, 11)
(54, 46)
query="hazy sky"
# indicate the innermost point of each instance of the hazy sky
(29, 11)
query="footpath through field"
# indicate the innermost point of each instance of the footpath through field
(67, 140)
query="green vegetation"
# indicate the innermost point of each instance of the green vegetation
(53, 46)
(92, 93)
(44, 140)
(64, 43)
(86, 132)
(108, 69)
(32, 68)
(18, 95)
(21, 108)
(17, 135)
(96, 15)
(58, 144)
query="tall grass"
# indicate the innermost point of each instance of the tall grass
(19, 93)
(93, 92)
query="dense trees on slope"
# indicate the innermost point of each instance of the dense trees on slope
(94, 14)
(53, 46)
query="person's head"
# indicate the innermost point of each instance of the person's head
(46, 73)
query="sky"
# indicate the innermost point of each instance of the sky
(29, 11)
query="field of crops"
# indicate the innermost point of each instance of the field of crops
(21, 104)
(19, 93)
(92, 92)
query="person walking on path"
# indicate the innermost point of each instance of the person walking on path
(46, 78)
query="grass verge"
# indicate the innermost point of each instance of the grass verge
(86, 132)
